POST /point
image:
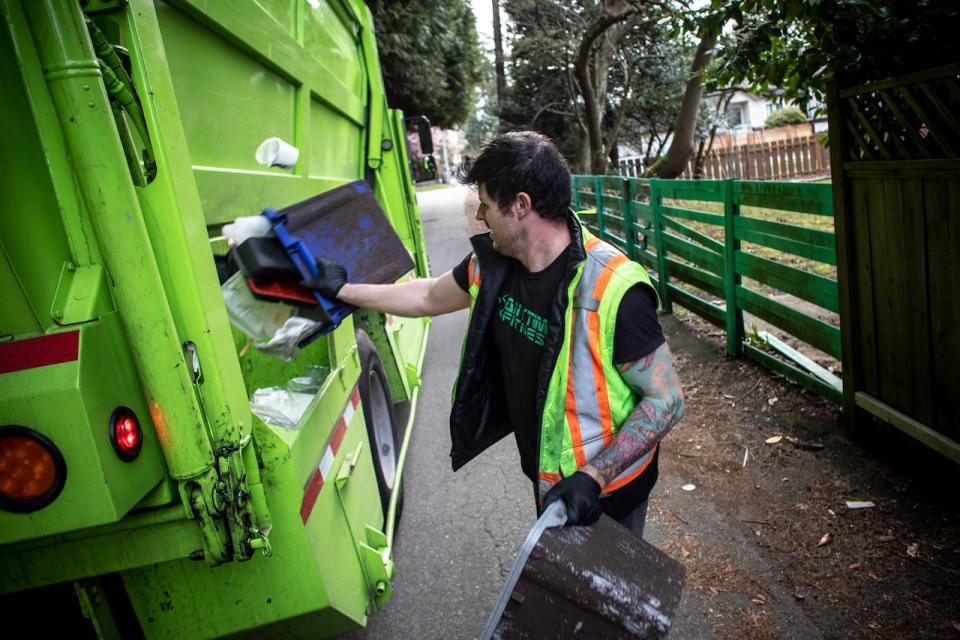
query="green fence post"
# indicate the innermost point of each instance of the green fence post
(629, 234)
(731, 279)
(656, 205)
(598, 190)
(576, 192)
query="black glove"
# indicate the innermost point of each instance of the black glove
(330, 278)
(581, 494)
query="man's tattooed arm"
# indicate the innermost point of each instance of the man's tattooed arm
(654, 378)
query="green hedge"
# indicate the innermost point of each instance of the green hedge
(787, 115)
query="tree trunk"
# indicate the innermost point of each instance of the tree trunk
(673, 163)
(698, 163)
(662, 142)
(583, 153)
(498, 57)
(723, 101)
(594, 95)
(646, 154)
(612, 151)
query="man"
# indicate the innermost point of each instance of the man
(563, 348)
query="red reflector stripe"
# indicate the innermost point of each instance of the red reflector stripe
(325, 464)
(310, 495)
(55, 348)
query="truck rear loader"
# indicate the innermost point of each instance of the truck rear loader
(139, 494)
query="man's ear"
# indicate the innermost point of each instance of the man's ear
(522, 204)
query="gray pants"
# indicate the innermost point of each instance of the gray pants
(636, 519)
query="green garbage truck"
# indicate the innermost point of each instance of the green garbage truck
(140, 495)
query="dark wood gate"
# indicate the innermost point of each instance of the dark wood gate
(895, 158)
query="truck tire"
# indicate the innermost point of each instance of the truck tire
(385, 435)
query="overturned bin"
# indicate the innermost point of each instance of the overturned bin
(599, 581)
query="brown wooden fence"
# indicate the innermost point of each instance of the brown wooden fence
(896, 179)
(801, 157)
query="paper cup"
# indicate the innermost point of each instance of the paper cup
(274, 152)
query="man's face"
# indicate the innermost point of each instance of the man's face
(502, 223)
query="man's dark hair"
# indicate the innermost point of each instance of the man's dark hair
(522, 161)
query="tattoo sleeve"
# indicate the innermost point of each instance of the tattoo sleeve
(655, 379)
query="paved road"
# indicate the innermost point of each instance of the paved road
(460, 531)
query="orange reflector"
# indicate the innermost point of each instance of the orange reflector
(27, 469)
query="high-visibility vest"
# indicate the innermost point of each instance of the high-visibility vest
(587, 399)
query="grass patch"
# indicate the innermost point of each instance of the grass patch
(806, 220)
(716, 232)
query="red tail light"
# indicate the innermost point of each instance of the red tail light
(125, 434)
(32, 470)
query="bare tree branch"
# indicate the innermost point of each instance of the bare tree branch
(673, 163)
(546, 108)
(572, 90)
(622, 112)
(585, 80)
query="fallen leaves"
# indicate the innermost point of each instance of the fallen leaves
(825, 540)
(913, 550)
(774, 439)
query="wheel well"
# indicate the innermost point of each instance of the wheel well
(374, 325)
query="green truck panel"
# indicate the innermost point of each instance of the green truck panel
(70, 403)
(130, 128)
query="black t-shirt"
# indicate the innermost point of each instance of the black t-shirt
(519, 328)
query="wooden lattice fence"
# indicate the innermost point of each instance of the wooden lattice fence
(895, 153)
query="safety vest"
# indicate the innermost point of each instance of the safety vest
(587, 399)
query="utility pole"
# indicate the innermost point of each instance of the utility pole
(498, 57)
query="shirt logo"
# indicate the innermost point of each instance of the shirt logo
(530, 325)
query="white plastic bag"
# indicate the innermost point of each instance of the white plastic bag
(257, 318)
(283, 343)
(280, 407)
(247, 227)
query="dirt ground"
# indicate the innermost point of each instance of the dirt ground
(771, 547)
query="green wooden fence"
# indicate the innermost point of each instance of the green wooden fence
(689, 234)
(895, 147)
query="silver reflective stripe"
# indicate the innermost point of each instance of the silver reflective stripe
(580, 365)
(543, 486)
(586, 302)
(585, 391)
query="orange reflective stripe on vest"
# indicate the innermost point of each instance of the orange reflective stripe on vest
(631, 474)
(593, 325)
(596, 400)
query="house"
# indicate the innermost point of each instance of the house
(748, 111)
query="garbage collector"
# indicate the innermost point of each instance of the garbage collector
(563, 347)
